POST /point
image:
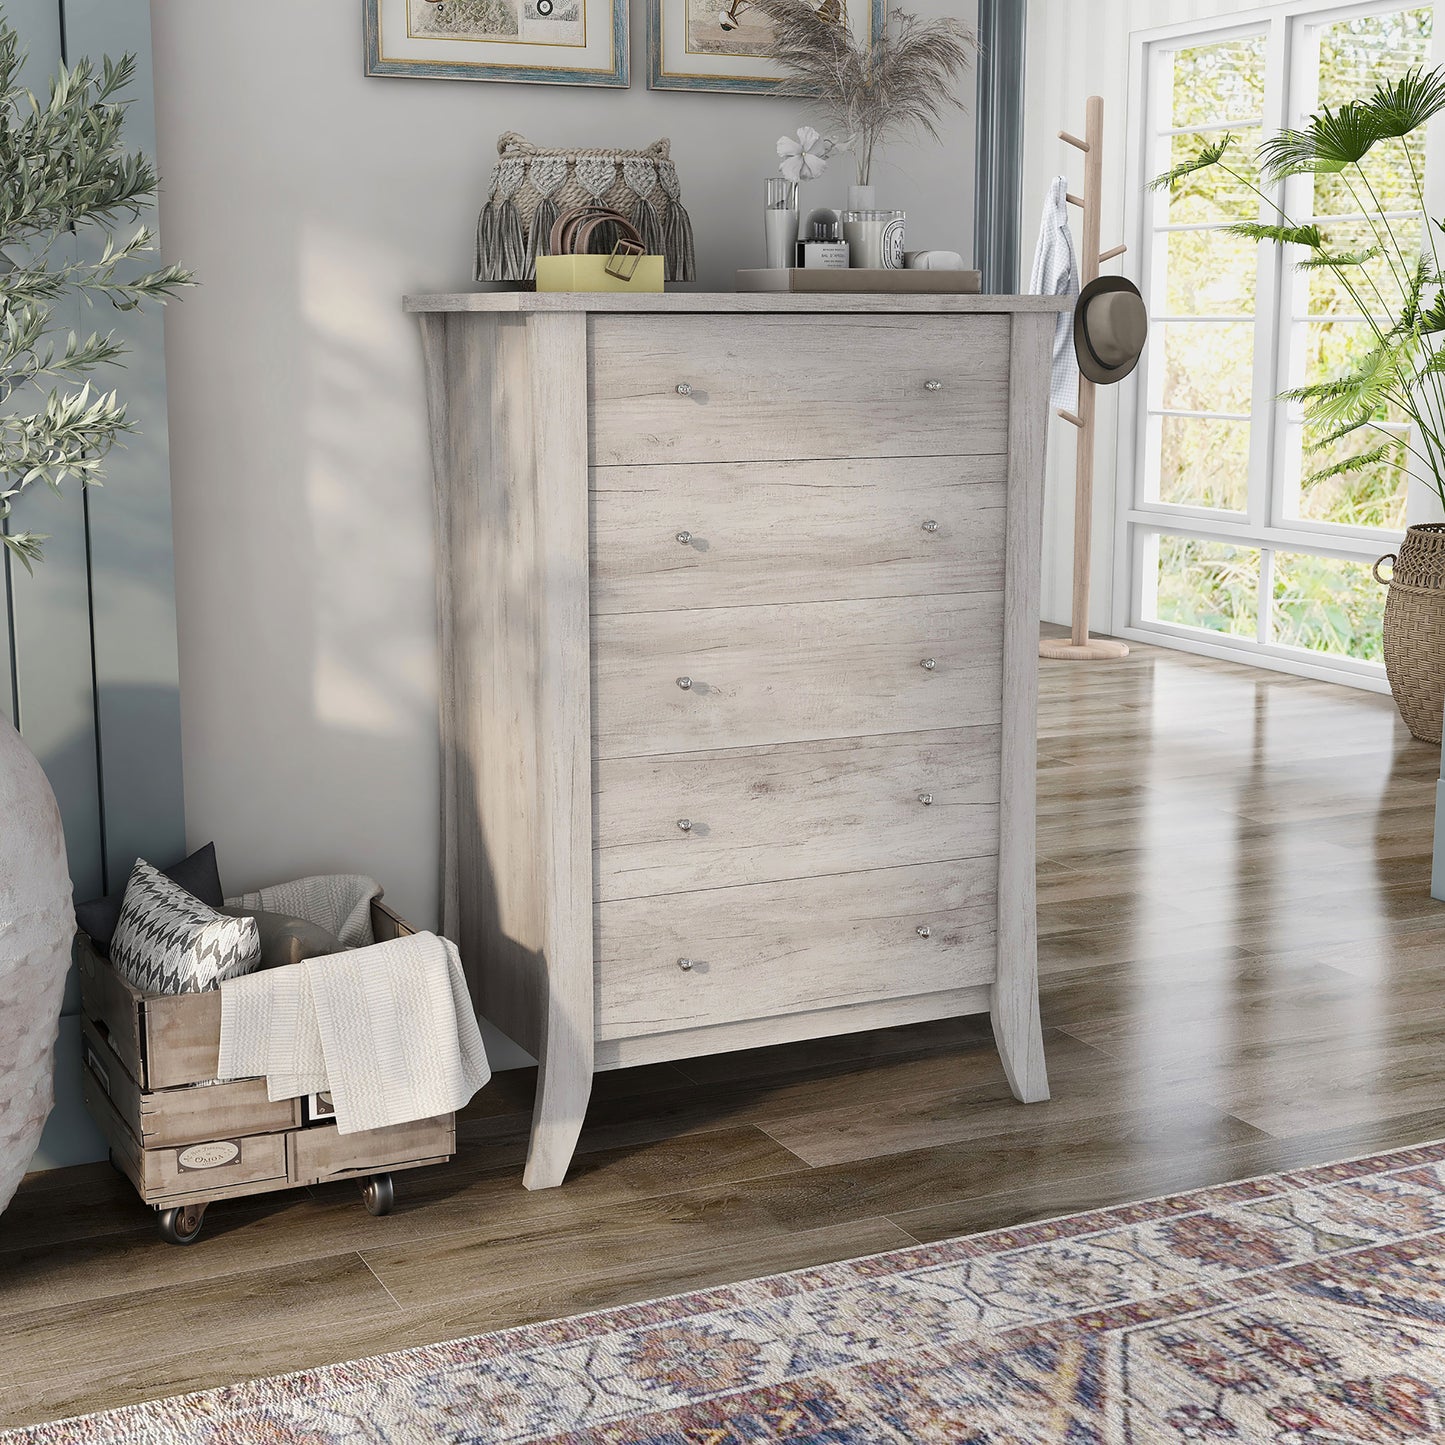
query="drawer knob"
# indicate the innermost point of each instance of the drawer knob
(926, 799)
(932, 385)
(923, 931)
(684, 388)
(930, 526)
(685, 538)
(928, 664)
(685, 824)
(684, 683)
(685, 964)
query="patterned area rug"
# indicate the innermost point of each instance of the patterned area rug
(1298, 1309)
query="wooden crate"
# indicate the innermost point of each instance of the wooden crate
(186, 1142)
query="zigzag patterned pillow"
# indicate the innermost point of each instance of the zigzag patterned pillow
(168, 941)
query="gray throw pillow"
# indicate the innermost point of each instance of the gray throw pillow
(286, 940)
(197, 874)
(167, 941)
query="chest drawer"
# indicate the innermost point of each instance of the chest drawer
(783, 948)
(721, 534)
(714, 820)
(736, 677)
(755, 388)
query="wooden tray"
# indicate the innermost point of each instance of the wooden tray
(858, 278)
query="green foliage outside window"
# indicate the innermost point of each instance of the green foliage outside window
(1208, 584)
(1327, 605)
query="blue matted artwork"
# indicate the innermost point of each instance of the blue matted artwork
(545, 42)
(720, 45)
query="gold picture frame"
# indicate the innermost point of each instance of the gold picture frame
(719, 45)
(541, 42)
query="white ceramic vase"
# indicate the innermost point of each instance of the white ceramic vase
(37, 926)
(862, 198)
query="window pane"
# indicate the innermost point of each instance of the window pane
(1327, 605)
(1208, 273)
(1385, 171)
(1208, 584)
(1369, 289)
(1356, 55)
(1214, 194)
(1218, 83)
(1208, 366)
(1373, 496)
(1204, 463)
(1335, 348)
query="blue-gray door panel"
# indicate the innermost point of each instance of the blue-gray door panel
(132, 562)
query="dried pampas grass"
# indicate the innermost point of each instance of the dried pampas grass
(900, 84)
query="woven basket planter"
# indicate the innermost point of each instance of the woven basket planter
(1415, 629)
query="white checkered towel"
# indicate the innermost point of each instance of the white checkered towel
(1056, 273)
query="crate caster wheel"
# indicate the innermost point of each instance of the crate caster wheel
(182, 1225)
(377, 1194)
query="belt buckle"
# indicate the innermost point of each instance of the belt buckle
(622, 263)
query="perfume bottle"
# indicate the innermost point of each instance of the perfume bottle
(824, 248)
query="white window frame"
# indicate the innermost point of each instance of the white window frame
(1262, 524)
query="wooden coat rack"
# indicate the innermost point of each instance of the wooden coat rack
(1080, 647)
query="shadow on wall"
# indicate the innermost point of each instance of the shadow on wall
(302, 716)
(308, 652)
(70, 1137)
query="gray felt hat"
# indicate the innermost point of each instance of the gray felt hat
(1111, 324)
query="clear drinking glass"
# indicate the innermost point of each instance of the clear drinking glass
(780, 220)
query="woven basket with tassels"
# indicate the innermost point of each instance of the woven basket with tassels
(531, 187)
(1415, 629)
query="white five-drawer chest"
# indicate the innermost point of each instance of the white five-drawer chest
(738, 601)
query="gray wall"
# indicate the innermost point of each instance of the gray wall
(90, 638)
(311, 199)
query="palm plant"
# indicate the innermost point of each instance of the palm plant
(66, 183)
(897, 82)
(1403, 368)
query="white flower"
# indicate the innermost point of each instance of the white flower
(806, 158)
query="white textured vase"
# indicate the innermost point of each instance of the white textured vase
(37, 925)
(862, 198)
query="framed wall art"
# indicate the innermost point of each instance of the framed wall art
(723, 44)
(554, 42)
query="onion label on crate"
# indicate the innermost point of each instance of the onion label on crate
(208, 1156)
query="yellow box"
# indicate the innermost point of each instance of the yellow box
(589, 273)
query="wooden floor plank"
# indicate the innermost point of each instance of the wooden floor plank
(1055, 1197)
(451, 1267)
(603, 1286)
(1036, 1148)
(1087, 1086)
(48, 1350)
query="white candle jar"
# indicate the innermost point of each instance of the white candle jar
(875, 238)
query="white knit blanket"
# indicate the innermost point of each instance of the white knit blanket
(338, 902)
(389, 1030)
